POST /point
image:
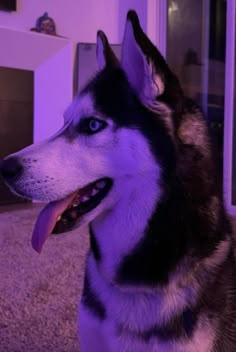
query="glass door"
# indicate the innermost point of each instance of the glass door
(196, 52)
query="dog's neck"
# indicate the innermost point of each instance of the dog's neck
(117, 232)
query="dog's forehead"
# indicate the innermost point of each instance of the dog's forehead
(81, 106)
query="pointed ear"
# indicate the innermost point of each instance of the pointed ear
(105, 55)
(140, 68)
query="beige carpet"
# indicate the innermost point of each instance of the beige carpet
(39, 294)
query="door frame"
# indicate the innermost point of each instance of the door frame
(229, 105)
(157, 19)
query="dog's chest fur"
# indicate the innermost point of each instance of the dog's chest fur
(139, 320)
(136, 317)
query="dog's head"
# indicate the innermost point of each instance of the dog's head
(119, 129)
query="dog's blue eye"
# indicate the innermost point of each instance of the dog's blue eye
(95, 125)
(91, 125)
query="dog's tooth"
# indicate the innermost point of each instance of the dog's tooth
(94, 191)
(84, 199)
(76, 201)
(59, 218)
(100, 184)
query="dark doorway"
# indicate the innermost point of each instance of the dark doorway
(16, 117)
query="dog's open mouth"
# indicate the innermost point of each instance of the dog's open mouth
(63, 215)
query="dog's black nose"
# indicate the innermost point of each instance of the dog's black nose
(10, 168)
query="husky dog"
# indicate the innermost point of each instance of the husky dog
(134, 162)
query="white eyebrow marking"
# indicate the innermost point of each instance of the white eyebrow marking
(83, 105)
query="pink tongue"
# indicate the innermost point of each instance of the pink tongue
(47, 220)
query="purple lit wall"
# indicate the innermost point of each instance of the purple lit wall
(51, 60)
(141, 7)
(77, 20)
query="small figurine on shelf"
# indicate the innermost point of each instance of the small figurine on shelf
(45, 24)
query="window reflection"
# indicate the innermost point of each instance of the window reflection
(196, 53)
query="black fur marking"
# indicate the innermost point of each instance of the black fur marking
(94, 245)
(189, 322)
(183, 224)
(214, 303)
(179, 226)
(176, 230)
(219, 302)
(91, 301)
(181, 326)
(173, 92)
(113, 97)
(109, 56)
